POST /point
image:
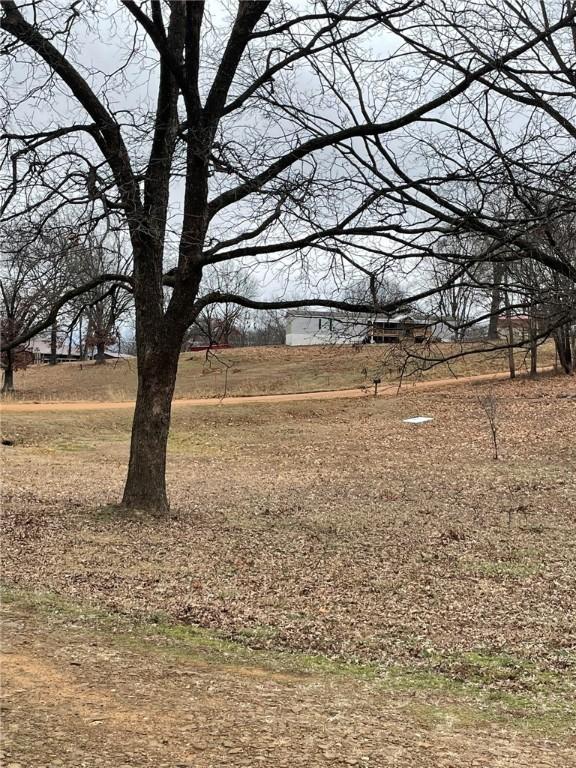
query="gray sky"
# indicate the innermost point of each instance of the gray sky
(125, 77)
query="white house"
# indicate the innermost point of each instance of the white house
(307, 327)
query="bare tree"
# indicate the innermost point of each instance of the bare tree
(375, 288)
(495, 299)
(33, 275)
(489, 404)
(55, 245)
(549, 298)
(223, 322)
(104, 307)
(269, 328)
(20, 303)
(456, 304)
(315, 140)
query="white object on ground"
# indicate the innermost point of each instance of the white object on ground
(417, 420)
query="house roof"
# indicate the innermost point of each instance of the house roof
(315, 313)
(43, 347)
(349, 316)
(516, 321)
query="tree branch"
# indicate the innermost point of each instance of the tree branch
(248, 14)
(108, 136)
(376, 129)
(41, 325)
(217, 297)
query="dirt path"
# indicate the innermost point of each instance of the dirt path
(385, 390)
(74, 697)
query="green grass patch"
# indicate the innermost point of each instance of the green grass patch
(461, 689)
(158, 632)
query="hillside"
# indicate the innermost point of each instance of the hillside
(259, 370)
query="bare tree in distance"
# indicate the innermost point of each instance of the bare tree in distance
(34, 273)
(267, 329)
(376, 289)
(550, 298)
(21, 297)
(105, 306)
(321, 141)
(462, 300)
(223, 322)
(55, 245)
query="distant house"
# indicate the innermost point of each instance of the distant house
(41, 350)
(304, 328)
(396, 328)
(520, 325)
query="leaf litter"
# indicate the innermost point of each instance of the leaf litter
(328, 530)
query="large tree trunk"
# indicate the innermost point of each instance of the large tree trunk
(70, 341)
(100, 353)
(54, 344)
(8, 382)
(564, 348)
(146, 482)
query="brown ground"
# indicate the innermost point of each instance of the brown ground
(76, 698)
(384, 390)
(436, 584)
(264, 370)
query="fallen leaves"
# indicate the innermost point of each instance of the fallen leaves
(345, 534)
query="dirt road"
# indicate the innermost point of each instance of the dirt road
(76, 697)
(384, 390)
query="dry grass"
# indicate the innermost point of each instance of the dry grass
(85, 688)
(258, 370)
(334, 587)
(328, 527)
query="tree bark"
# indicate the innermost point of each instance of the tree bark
(564, 349)
(70, 341)
(159, 339)
(8, 383)
(100, 353)
(54, 344)
(511, 361)
(498, 273)
(533, 345)
(146, 481)
(81, 350)
(533, 358)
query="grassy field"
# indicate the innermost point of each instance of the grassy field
(330, 557)
(261, 370)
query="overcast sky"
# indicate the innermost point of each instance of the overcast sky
(122, 69)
